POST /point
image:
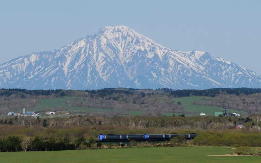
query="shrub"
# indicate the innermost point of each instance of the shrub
(244, 151)
(179, 141)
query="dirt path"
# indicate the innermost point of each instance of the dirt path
(227, 155)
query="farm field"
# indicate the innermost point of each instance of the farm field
(187, 103)
(63, 104)
(131, 155)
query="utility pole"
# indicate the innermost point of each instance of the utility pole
(257, 121)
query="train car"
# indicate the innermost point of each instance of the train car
(139, 137)
(111, 138)
(155, 137)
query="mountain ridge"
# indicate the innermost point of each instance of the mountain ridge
(117, 56)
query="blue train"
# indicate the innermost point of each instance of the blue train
(143, 137)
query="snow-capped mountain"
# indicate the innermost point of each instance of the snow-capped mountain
(120, 57)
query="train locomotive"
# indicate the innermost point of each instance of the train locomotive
(143, 137)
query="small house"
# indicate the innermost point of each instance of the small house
(202, 114)
(11, 114)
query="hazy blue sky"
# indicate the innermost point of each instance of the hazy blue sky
(227, 28)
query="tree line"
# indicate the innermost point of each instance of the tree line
(17, 144)
(108, 91)
(206, 138)
(177, 122)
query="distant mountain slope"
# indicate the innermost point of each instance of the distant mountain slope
(120, 57)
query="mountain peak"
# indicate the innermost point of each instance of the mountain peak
(120, 57)
(118, 27)
(112, 29)
(123, 34)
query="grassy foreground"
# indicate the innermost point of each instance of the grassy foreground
(130, 155)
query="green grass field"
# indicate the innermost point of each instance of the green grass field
(187, 103)
(45, 104)
(131, 155)
(63, 104)
(135, 112)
